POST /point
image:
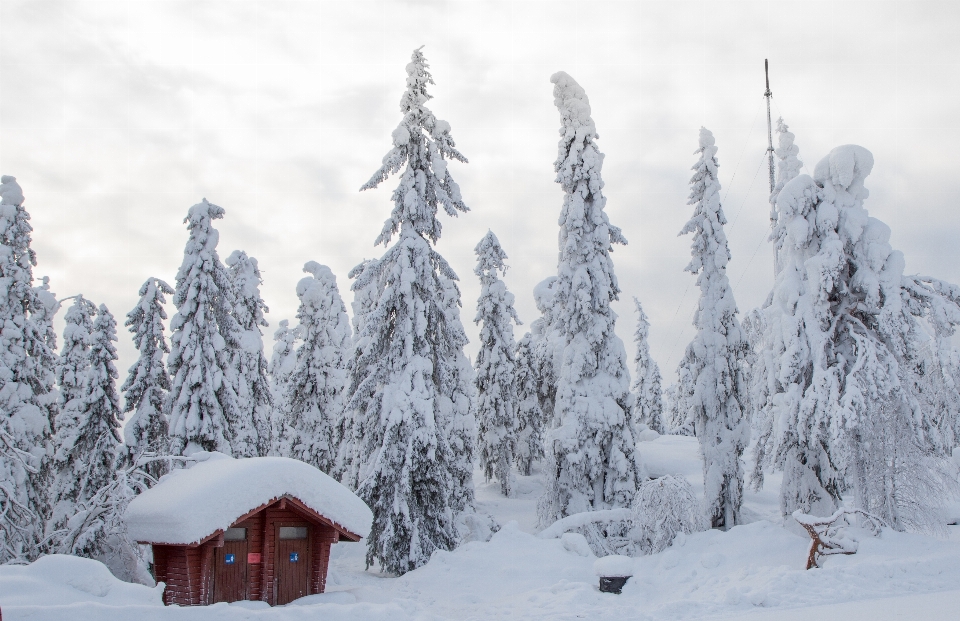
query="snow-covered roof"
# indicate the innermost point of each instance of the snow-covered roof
(190, 504)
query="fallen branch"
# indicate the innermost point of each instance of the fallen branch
(824, 532)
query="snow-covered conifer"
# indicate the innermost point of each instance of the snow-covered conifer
(496, 373)
(281, 364)
(250, 430)
(675, 411)
(714, 388)
(836, 381)
(529, 414)
(592, 462)
(788, 167)
(315, 390)
(544, 350)
(648, 400)
(88, 428)
(456, 407)
(28, 400)
(145, 390)
(409, 386)
(75, 354)
(204, 334)
(364, 302)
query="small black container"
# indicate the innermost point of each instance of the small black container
(613, 584)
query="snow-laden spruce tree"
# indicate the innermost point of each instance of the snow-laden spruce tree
(28, 400)
(835, 390)
(648, 397)
(315, 390)
(713, 386)
(282, 361)
(75, 353)
(546, 347)
(788, 167)
(591, 456)
(364, 302)
(145, 390)
(408, 387)
(675, 412)
(202, 343)
(530, 419)
(88, 430)
(250, 431)
(457, 410)
(496, 373)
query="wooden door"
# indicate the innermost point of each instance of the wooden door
(292, 562)
(230, 567)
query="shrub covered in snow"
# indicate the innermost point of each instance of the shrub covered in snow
(662, 508)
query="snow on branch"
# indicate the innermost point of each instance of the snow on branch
(579, 520)
(825, 533)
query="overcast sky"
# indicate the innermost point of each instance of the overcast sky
(116, 117)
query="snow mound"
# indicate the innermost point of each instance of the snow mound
(191, 504)
(61, 580)
(613, 566)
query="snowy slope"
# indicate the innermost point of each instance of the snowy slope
(752, 572)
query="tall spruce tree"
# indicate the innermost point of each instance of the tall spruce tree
(408, 386)
(250, 430)
(28, 400)
(836, 391)
(496, 372)
(147, 385)
(364, 302)
(788, 167)
(592, 462)
(282, 361)
(713, 386)
(530, 419)
(202, 343)
(315, 390)
(544, 345)
(88, 429)
(648, 397)
(75, 354)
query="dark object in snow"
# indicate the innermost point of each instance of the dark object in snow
(824, 532)
(613, 584)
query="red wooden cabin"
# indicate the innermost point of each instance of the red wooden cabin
(276, 551)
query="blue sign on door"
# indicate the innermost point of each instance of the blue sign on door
(294, 557)
(229, 559)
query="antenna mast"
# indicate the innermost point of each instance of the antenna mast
(768, 95)
(773, 208)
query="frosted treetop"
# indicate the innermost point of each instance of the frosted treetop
(423, 143)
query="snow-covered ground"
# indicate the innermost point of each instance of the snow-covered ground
(752, 572)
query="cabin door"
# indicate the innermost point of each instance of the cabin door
(292, 562)
(230, 567)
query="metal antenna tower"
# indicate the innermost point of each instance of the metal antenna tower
(773, 210)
